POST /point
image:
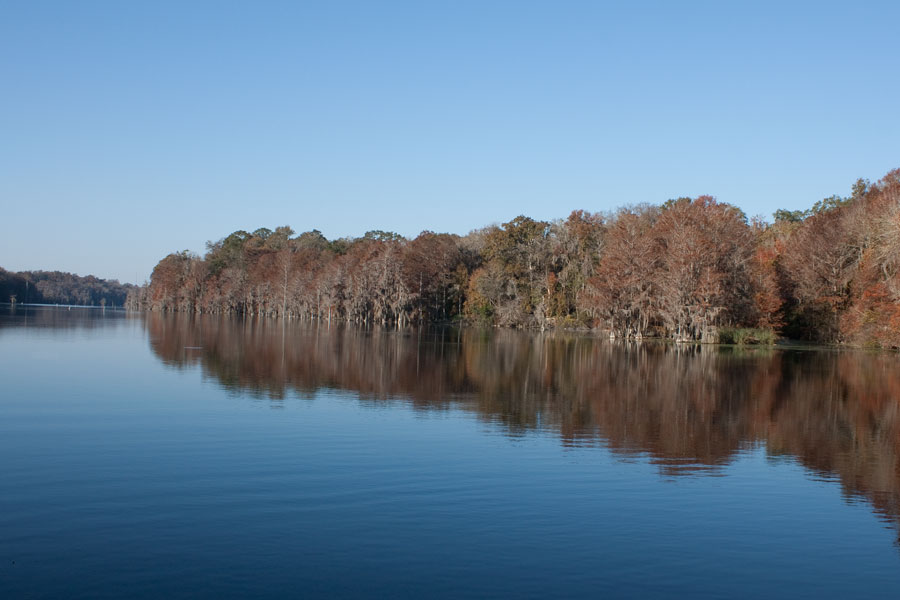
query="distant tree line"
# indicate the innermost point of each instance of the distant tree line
(55, 287)
(689, 269)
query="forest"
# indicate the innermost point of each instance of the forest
(690, 269)
(55, 287)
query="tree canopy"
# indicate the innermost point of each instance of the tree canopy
(684, 270)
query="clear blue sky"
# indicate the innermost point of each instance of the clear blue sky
(129, 130)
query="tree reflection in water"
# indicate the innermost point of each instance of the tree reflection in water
(689, 409)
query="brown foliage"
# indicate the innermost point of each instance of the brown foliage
(621, 293)
(839, 268)
(703, 278)
(682, 270)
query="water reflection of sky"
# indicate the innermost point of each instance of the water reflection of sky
(443, 463)
(691, 410)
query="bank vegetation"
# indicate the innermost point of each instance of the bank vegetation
(691, 269)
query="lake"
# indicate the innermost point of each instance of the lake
(161, 456)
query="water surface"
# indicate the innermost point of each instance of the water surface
(175, 456)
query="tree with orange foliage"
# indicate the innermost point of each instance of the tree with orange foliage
(621, 293)
(703, 280)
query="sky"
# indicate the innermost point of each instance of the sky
(129, 130)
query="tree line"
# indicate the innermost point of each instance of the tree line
(56, 287)
(691, 269)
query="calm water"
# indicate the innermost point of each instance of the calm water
(166, 457)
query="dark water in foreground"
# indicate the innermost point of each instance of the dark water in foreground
(166, 457)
